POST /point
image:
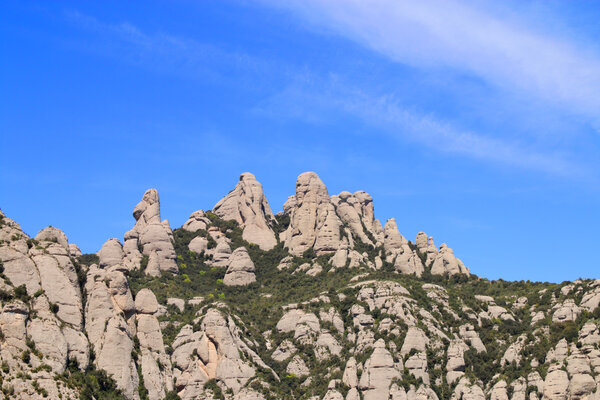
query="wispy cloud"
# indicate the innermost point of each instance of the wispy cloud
(165, 52)
(467, 37)
(318, 101)
(426, 34)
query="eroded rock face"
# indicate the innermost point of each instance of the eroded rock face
(378, 373)
(196, 221)
(241, 269)
(398, 252)
(111, 253)
(216, 351)
(151, 236)
(446, 262)
(110, 325)
(47, 322)
(313, 221)
(357, 212)
(247, 205)
(155, 363)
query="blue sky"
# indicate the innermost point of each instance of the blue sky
(477, 122)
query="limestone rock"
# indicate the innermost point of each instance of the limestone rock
(179, 303)
(398, 252)
(415, 339)
(298, 367)
(74, 250)
(111, 253)
(241, 269)
(111, 327)
(51, 234)
(356, 211)
(216, 351)
(198, 244)
(446, 262)
(313, 221)
(350, 373)
(456, 362)
(378, 373)
(155, 363)
(556, 384)
(196, 221)
(567, 311)
(145, 302)
(284, 351)
(151, 235)
(247, 205)
(221, 255)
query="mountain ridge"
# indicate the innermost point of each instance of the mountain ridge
(319, 301)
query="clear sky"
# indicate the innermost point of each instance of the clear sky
(477, 122)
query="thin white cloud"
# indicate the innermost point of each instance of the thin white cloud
(457, 35)
(164, 52)
(319, 101)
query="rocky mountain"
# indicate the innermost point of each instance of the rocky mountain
(317, 302)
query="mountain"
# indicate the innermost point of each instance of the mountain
(320, 302)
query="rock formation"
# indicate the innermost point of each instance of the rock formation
(329, 319)
(313, 221)
(240, 271)
(247, 205)
(446, 262)
(150, 237)
(398, 252)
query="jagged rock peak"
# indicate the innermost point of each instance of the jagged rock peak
(247, 205)
(313, 220)
(446, 262)
(148, 207)
(150, 235)
(357, 212)
(426, 246)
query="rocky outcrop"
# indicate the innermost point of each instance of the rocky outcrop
(240, 271)
(155, 363)
(111, 253)
(198, 245)
(216, 351)
(111, 327)
(197, 220)
(247, 205)
(150, 237)
(445, 262)
(357, 213)
(313, 221)
(378, 373)
(398, 252)
(426, 246)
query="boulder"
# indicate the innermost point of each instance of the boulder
(240, 271)
(111, 253)
(298, 367)
(145, 302)
(198, 245)
(196, 221)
